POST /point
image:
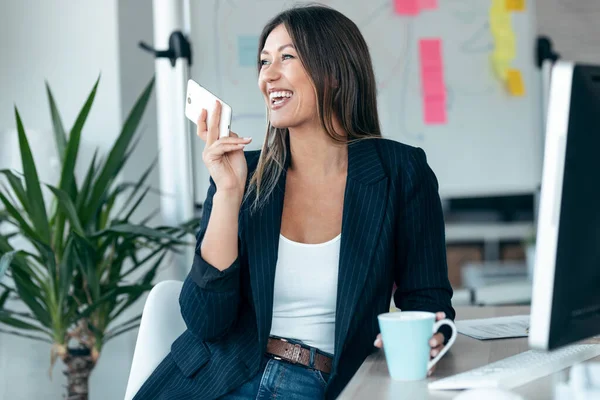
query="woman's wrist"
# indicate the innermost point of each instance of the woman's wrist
(231, 198)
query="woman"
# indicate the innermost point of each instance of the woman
(301, 243)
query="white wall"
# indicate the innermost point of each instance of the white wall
(68, 43)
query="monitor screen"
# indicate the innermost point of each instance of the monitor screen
(566, 286)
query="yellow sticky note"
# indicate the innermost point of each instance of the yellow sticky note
(515, 5)
(505, 46)
(501, 67)
(515, 83)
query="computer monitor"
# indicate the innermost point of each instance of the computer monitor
(566, 282)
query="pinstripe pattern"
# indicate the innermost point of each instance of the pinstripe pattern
(392, 230)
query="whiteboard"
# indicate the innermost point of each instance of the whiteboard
(491, 143)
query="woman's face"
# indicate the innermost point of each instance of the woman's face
(285, 85)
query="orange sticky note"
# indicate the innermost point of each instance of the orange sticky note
(514, 80)
(515, 5)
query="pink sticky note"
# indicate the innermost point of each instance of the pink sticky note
(430, 51)
(429, 4)
(432, 81)
(407, 7)
(435, 112)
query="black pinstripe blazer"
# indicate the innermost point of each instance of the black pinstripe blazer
(392, 231)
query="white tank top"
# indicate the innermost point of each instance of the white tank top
(305, 294)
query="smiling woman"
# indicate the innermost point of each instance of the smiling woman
(301, 243)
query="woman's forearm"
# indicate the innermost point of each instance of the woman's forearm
(220, 244)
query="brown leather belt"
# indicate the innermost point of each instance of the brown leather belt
(281, 349)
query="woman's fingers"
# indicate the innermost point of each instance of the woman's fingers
(436, 340)
(213, 126)
(202, 129)
(435, 351)
(225, 145)
(378, 341)
(225, 148)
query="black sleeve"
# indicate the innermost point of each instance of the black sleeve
(210, 298)
(421, 275)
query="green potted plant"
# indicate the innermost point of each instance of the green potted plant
(86, 262)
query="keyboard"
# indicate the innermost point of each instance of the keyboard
(518, 369)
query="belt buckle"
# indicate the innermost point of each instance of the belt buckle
(295, 353)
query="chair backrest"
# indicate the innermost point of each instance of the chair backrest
(161, 324)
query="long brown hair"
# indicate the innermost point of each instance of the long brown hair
(336, 57)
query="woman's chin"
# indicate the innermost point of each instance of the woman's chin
(279, 124)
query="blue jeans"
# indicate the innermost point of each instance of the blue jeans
(282, 380)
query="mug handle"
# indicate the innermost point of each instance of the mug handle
(436, 326)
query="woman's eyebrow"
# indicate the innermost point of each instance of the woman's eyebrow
(280, 48)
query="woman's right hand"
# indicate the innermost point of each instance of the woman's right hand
(224, 157)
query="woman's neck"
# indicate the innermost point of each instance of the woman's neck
(315, 154)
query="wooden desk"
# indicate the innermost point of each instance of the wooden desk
(372, 380)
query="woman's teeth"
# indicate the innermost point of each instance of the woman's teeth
(279, 97)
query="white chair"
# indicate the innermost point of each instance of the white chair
(161, 324)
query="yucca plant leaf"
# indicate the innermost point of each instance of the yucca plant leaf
(134, 290)
(135, 141)
(93, 306)
(18, 323)
(86, 260)
(118, 151)
(67, 264)
(37, 212)
(32, 296)
(151, 215)
(139, 184)
(130, 321)
(20, 314)
(68, 171)
(3, 298)
(17, 187)
(138, 230)
(3, 215)
(137, 204)
(113, 334)
(5, 262)
(84, 192)
(68, 208)
(21, 223)
(138, 264)
(59, 131)
(24, 335)
(146, 280)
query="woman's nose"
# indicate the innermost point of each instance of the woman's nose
(273, 72)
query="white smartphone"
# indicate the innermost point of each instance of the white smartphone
(198, 98)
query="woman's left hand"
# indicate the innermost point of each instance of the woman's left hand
(436, 342)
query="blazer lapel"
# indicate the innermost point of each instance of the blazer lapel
(262, 235)
(365, 202)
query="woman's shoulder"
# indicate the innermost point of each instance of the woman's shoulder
(398, 156)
